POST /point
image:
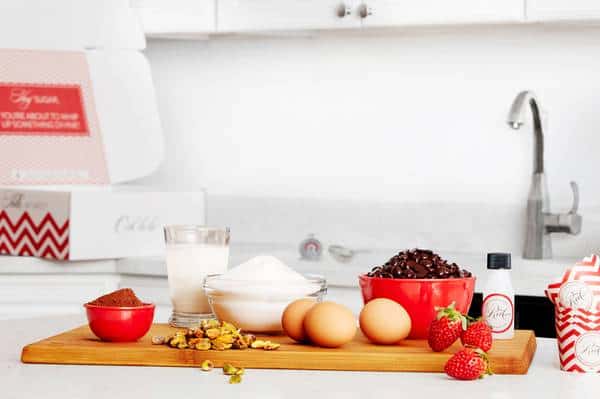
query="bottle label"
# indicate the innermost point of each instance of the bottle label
(498, 311)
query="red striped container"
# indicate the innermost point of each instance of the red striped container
(578, 339)
(576, 299)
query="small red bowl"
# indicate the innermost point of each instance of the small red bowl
(420, 297)
(120, 324)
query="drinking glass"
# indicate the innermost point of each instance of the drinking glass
(193, 252)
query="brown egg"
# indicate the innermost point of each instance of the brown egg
(292, 318)
(384, 321)
(329, 324)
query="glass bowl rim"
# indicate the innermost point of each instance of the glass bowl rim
(310, 279)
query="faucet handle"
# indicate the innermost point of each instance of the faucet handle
(569, 222)
(575, 206)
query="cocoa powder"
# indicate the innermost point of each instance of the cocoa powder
(121, 298)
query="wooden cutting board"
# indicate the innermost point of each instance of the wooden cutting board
(80, 346)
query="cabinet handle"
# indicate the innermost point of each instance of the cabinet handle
(344, 11)
(365, 11)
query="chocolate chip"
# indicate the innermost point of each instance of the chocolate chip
(418, 263)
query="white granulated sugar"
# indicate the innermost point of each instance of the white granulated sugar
(254, 294)
(263, 268)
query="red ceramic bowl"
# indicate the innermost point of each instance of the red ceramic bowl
(420, 297)
(120, 324)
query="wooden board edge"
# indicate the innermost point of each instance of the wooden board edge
(49, 354)
(26, 354)
(44, 352)
(521, 364)
(530, 350)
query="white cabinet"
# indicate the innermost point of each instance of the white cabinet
(290, 15)
(549, 10)
(375, 13)
(69, 24)
(176, 18)
(34, 295)
(198, 18)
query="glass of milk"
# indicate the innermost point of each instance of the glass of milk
(193, 252)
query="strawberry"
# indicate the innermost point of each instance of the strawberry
(468, 364)
(446, 328)
(477, 334)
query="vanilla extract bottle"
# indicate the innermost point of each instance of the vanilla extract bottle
(498, 308)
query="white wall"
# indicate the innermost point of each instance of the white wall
(414, 117)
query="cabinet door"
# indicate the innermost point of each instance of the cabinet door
(277, 15)
(439, 12)
(35, 294)
(69, 24)
(175, 18)
(548, 10)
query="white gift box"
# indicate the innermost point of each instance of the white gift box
(78, 114)
(92, 223)
(77, 101)
(77, 117)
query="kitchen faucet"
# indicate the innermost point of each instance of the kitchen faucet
(540, 222)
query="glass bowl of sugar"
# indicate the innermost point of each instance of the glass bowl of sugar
(254, 294)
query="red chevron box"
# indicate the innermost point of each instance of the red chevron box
(578, 339)
(99, 223)
(576, 299)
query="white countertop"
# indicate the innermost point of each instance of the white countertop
(24, 381)
(530, 277)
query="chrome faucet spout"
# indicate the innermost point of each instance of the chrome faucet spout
(540, 221)
(516, 120)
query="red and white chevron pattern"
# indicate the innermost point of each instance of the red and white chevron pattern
(565, 316)
(572, 328)
(25, 237)
(578, 330)
(587, 270)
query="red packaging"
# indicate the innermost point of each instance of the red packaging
(576, 298)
